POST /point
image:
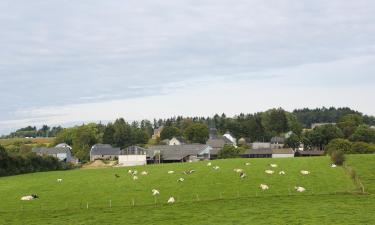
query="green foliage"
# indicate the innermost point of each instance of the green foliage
(319, 137)
(363, 148)
(349, 123)
(293, 141)
(229, 151)
(169, 132)
(338, 157)
(339, 145)
(363, 133)
(197, 133)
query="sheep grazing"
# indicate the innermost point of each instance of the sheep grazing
(181, 179)
(238, 170)
(170, 172)
(134, 172)
(273, 165)
(333, 165)
(171, 200)
(29, 197)
(264, 187)
(216, 167)
(117, 176)
(300, 189)
(247, 164)
(144, 173)
(135, 178)
(130, 171)
(242, 175)
(59, 180)
(209, 164)
(155, 192)
(304, 172)
(281, 172)
(269, 171)
(189, 172)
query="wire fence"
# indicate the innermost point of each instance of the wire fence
(159, 201)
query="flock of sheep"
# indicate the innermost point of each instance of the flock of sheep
(171, 199)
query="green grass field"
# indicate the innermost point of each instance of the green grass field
(205, 197)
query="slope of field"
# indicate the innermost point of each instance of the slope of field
(205, 197)
(364, 166)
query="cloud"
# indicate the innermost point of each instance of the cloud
(56, 54)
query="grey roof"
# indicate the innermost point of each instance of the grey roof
(133, 150)
(63, 145)
(104, 149)
(50, 151)
(279, 140)
(181, 139)
(176, 152)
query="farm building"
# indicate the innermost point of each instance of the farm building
(132, 156)
(178, 153)
(157, 133)
(260, 145)
(268, 153)
(104, 152)
(62, 152)
(217, 144)
(308, 153)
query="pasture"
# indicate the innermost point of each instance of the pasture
(207, 196)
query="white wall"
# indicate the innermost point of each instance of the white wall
(282, 155)
(132, 160)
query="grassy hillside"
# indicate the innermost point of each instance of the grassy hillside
(209, 196)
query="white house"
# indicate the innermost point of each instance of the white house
(228, 136)
(177, 141)
(282, 153)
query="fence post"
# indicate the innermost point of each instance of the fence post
(110, 203)
(220, 196)
(238, 194)
(87, 205)
(197, 197)
(133, 202)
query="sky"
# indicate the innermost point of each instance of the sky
(71, 61)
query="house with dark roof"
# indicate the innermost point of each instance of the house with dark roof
(177, 141)
(62, 152)
(217, 144)
(104, 152)
(277, 142)
(178, 153)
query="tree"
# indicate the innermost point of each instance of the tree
(321, 136)
(123, 136)
(293, 141)
(363, 133)
(339, 145)
(197, 133)
(229, 151)
(349, 123)
(169, 132)
(363, 148)
(140, 137)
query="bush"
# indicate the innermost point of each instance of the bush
(229, 151)
(363, 148)
(340, 145)
(338, 157)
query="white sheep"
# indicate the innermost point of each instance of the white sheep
(300, 189)
(247, 164)
(171, 200)
(209, 164)
(269, 171)
(144, 173)
(170, 172)
(155, 192)
(273, 165)
(29, 197)
(238, 170)
(333, 165)
(135, 178)
(304, 172)
(59, 180)
(181, 179)
(264, 187)
(242, 175)
(282, 172)
(130, 171)
(134, 172)
(216, 167)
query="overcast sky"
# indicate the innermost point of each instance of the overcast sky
(71, 61)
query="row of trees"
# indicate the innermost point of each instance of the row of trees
(195, 132)
(12, 164)
(32, 131)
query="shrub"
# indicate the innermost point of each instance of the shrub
(338, 157)
(339, 144)
(363, 148)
